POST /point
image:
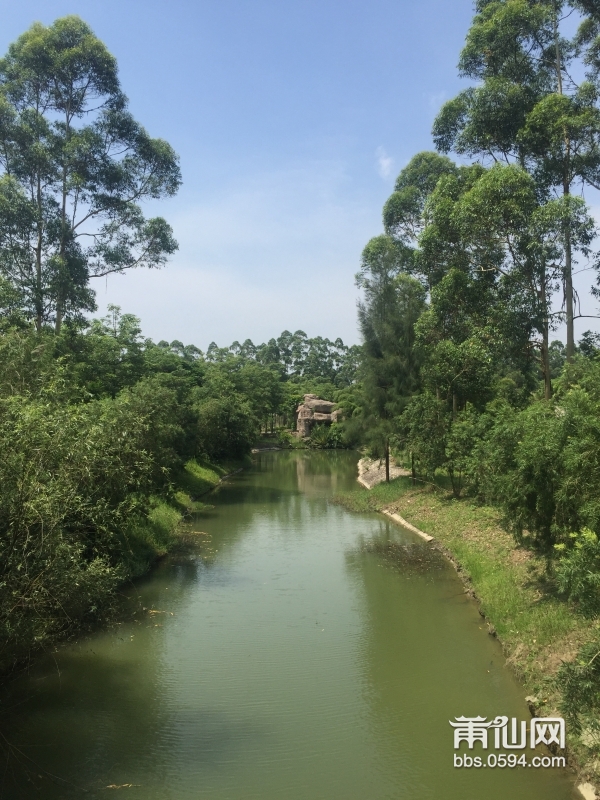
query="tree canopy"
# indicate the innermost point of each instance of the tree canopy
(74, 167)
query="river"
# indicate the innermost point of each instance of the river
(286, 659)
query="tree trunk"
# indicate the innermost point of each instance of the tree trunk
(412, 468)
(60, 300)
(39, 293)
(568, 274)
(569, 295)
(387, 460)
(545, 357)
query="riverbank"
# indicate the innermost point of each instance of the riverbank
(133, 551)
(167, 520)
(538, 631)
(372, 472)
(198, 478)
(280, 659)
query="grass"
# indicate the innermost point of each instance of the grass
(197, 478)
(375, 499)
(537, 629)
(153, 537)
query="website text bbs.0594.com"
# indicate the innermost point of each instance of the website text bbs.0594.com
(508, 760)
(509, 740)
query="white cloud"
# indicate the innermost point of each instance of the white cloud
(278, 250)
(385, 163)
(211, 304)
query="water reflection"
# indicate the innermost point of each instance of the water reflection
(302, 652)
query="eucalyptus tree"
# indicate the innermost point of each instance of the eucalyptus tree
(511, 236)
(527, 108)
(74, 167)
(403, 212)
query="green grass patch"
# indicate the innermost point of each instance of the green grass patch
(538, 630)
(184, 503)
(199, 477)
(146, 539)
(381, 495)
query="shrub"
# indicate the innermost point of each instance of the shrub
(226, 427)
(579, 682)
(578, 571)
(76, 515)
(319, 437)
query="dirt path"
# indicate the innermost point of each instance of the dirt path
(372, 471)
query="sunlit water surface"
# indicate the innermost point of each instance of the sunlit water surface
(290, 661)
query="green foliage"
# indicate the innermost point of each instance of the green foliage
(319, 436)
(326, 437)
(578, 571)
(226, 427)
(460, 443)
(296, 357)
(425, 426)
(148, 537)
(579, 682)
(72, 477)
(74, 167)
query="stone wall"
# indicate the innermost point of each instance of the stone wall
(314, 411)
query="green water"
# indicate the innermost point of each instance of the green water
(295, 663)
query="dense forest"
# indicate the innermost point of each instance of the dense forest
(473, 274)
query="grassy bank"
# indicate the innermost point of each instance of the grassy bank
(196, 479)
(153, 537)
(537, 629)
(91, 595)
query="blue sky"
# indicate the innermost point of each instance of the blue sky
(292, 120)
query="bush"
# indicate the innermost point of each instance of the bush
(226, 428)
(542, 465)
(579, 682)
(578, 571)
(77, 515)
(324, 437)
(284, 438)
(71, 479)
(319, 437)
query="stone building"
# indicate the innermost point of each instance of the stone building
(314, 411)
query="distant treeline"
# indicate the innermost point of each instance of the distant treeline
(101, 430)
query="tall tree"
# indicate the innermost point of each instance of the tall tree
(74, 166)
(404, 211)
(510, 232)
(393, 302)
(527, 107)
